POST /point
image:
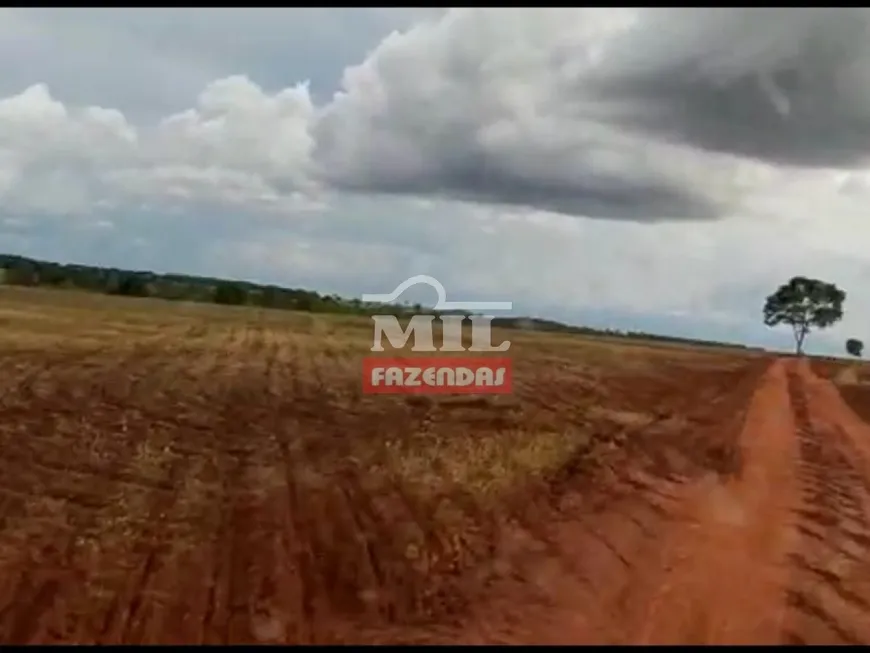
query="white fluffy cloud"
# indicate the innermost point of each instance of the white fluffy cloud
(716, 151)
(238, 144)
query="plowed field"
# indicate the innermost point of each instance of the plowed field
(188, 474)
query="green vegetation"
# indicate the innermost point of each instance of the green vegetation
(230, 294)
(22, 271)
(854, 347)
(804, 304)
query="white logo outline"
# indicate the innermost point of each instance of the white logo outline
(442, 304)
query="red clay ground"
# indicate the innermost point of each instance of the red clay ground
(244, 493)
(778, 553)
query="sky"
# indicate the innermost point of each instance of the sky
(644, 169)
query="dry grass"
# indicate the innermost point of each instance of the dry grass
(200, 361)
(190, 426)
(853, 380)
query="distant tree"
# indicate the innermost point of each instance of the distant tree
(132, 285)
(230, 294)
(304, 303)
(22, 273)
(854, 347)
(306, 300)
(270, 297)
(52, 275)
(804, 304)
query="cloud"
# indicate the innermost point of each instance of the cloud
(51, 158)
(150, 62)
(238, 145)
(643, 114)
(480, 109)
(626, 114)
(774, 83)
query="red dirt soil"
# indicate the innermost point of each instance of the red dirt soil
(774, 547)
(779, 553)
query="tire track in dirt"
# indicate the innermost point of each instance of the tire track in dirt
(720, 575)
(61, 508)
(653, 558)
(149, 541)
(67, 544)
(147, 574)
(779, 553)
(829, 598)
(790, 561)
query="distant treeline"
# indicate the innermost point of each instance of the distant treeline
(540, 324)
(22, 271)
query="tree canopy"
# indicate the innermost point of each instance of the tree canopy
(804, 304)
(230, 294)
(854, 347)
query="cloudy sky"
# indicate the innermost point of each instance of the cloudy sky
(658, 169)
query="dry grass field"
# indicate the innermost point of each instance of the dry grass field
(190, 473)
(852, 378)
(186, 473)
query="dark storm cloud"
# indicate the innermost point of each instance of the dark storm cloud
(785, 85)
(608, 113)
(590, 194)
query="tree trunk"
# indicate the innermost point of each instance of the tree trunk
(800, 333)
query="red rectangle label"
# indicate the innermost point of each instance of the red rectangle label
(437, 375)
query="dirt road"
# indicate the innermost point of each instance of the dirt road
(173, 546)
(779, 553)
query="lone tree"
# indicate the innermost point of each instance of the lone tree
(804, 304)
(854, 347)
